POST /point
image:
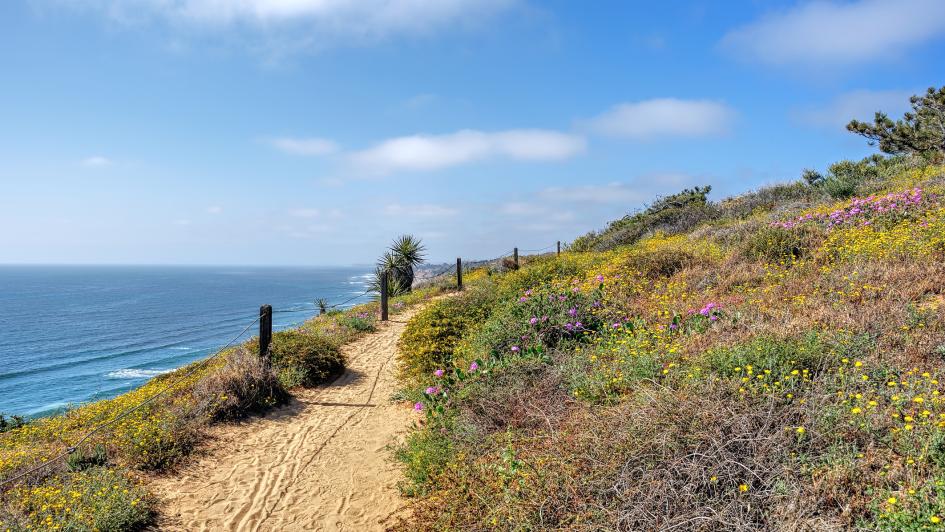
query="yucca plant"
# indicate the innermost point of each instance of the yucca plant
(406, 253)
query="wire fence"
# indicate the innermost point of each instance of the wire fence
(70, 449)
(179, 376)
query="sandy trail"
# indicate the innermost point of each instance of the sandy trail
(319, 463)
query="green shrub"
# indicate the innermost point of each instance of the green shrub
(775, 244)
(303, 359)
(540, 319)
(13, 422)
(812, 352)
(424, 454)
(671, 214)
(430, 339)
(361, 322)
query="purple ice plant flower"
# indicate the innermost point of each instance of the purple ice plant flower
(418, 406)
(600, 278)
(433, 390)
(522, 299)
(473, 367)
(572, 311)
(533, 321)
(439, 373)
(516, 349)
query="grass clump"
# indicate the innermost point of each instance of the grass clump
(300, 359)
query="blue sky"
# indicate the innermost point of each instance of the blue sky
(314, 131)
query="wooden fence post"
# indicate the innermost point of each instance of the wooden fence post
(515, 256)
(265, 331)
(559, 248)
(459, 273)
(384, 275)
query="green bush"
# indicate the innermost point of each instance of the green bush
(538, 319)
(774, 244)
(303, 359)
(431, 336)
(671, 214)
(424, 454)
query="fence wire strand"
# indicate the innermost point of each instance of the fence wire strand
(125, 413)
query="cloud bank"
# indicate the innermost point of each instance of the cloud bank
(664, 117)
(836, 34)
(434, 152)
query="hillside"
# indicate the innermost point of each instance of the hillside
(769, 361)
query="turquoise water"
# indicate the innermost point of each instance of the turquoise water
(72, 334)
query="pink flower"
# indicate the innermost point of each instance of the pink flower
(418, 406)
(600, 278)
(516, 349)
(439, 373)
(432, 390)
(533, 321)
(473, 367)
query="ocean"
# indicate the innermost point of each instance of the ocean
(73, 334)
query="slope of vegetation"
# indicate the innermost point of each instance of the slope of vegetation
(775, 360)
(100, 483)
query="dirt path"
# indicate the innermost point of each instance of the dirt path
(319, 463)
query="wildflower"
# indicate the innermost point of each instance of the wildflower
(600, 278)
(572, 311)
(432, 390)
(522, 299)
(935, 519)
(533, 321)
(800, 430)
(439, 373)
(473, 367)
(743, 488)
(516, 349)
(418, 406)
(891, 500)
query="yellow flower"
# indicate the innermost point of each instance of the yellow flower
(743, 488)
(800, 430)
(891, 500)
(935, 519)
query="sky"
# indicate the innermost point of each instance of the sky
(312, 132)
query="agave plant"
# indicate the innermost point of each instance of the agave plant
(399, 261)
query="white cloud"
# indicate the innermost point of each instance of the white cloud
(96, 161)
(305, 146)
(425, 210)
(310, 23)
(859, 104)
(664, 117)
(304, 213)
(432, 152)
(834, 34)
(215, 209)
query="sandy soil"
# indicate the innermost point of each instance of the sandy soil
(319, 463)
